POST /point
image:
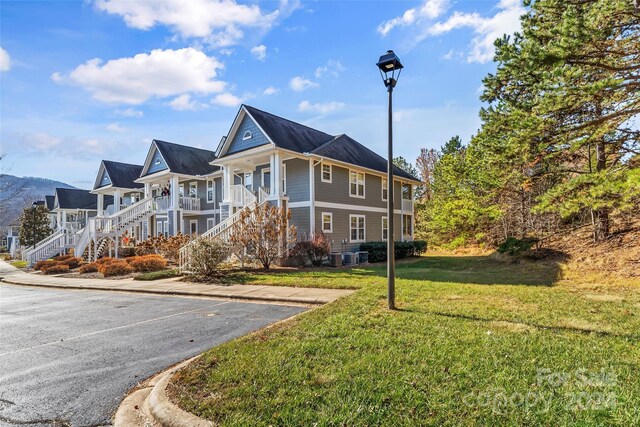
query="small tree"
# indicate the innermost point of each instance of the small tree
(314, 250)
(266, 227)
(34, 225)
(206, 254)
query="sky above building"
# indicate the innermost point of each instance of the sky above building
(90, 80)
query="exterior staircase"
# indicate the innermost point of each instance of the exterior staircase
(53, 245)
(125, 218)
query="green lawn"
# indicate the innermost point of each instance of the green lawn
(19, 264)
(475, 342)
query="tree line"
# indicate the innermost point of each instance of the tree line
(559, 145)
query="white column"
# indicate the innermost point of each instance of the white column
(59, 220)
(174, 192)
(147, 189)
(100, 204)
(276, 172)
(116, 201)
(227, 182)
(312, 198)
(64, 219)
(272, 168)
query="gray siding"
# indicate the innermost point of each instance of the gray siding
(297, 180)
(257, 139)
(104, 179)
(202, 222)
(218, 187)
(300, 218)
(257, 177)
(153, 167)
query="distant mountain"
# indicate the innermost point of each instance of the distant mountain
(17, 192)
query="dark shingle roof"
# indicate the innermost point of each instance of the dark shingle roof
(72, 198)
(123, 175)
(186, 160)
(346, 149)
(49, 201)
(287, 134)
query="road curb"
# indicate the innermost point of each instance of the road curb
(165, 413)
(230, 296)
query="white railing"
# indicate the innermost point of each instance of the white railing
(48, 247)
(263, 196)
(126, 217)
(85, 237)
(241, 196)
(189, 203)
(161, 203)
(407, 205)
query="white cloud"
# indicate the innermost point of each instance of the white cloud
(260, 52)
(218, 22)
(487, 30)
(161, 73)
(5, 60)
(320, 108)
(115, 127)
(332, 67)
(69, 147)
(39, 142)
(300, 83)
(430, 9)
(130, 112)
(271, 91)
(183, 103)
(227, 100)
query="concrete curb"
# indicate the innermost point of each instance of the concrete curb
(231, 296)
(167, 414)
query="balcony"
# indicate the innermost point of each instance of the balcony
(407, 205)
(189, 203)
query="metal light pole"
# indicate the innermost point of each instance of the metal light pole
(34, 206)
(388, 64)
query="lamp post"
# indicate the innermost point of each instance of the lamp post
(390, 67)
(34, 206)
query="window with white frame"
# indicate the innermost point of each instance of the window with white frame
(357, 228)
(356, 184)
(326, 173)
(181, 190)
(247, 135)
(406, 191)
(406, 225)
(193, 189)
(385, 190)
(385, 228)
(266, 177)
(210, 191)
(211, 222)
(193, 227)
(327, 222)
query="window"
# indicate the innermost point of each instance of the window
(211, 222)
(406, 225)
(181, 190)
(193, 189)
(159, 227)
(248, 180)
(357, 228)
(266, 177)
(356, 184)
(284, 178)
(327, 222)
(210, 191)
(326, 173)
(193, 226)
(385, 228)
(247, 135)
(158, 161)
(406, 191)
(385, 190)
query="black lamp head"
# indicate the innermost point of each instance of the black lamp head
(390, 66)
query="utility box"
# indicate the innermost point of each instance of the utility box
(350, 258)
(363, 257)
(335, 259)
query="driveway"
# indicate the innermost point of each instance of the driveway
(69, 357)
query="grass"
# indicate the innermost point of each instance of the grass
(19, 264)
(474, 342)
(156, 275)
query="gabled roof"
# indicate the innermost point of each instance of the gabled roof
(186, 160)
(50, 201)
(72, 198)
(287, 134)
(346, 149)
(123, 175)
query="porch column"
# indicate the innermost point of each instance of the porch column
(227, 182)
(276, 176)
(59, 220)
(147, 190)
(175, 203)
(312, 198)
(100, 204)
(116, 201)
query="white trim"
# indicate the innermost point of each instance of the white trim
(191, 222)
(364, 228)
(384, 239)
(330, 230)
(284, 179)
(211, 222)
(303, 204)
(262, 172)
(364, 180)
(247, 135)
(213, 192)
(384, 187)
(331, 205)
(312, 192)
(191, 183)
(322, 165)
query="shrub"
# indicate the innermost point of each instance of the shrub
(90, 267)
(115, 268)
(56, 269)
(62, 257)
(127, 252)
(105, 260)
(156, 275)
(378, 250)
(205, 255)
(168, 247)
(147, 263)
(40, 265)
(72, 262)
(312, 251)
(514, 247)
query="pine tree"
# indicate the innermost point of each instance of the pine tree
(34, 225)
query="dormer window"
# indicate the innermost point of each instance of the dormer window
(158, 161)
(247, 135)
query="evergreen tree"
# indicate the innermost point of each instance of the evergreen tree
(34, 225)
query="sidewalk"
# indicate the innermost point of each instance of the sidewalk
(173, 286)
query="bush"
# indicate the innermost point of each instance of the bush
(62, 257)
(206, 254)
(40, 265)
(56, 269)
(127, 252)
(312, 251)
(72, 262)
(378, 250)
(115, 268)
(514, 247)
(90, 267)
(168, 247)
(105, 260)
(156, 275)
(147, 263)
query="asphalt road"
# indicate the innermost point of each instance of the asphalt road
(67, 358)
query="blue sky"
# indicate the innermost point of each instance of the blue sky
(92, 80)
